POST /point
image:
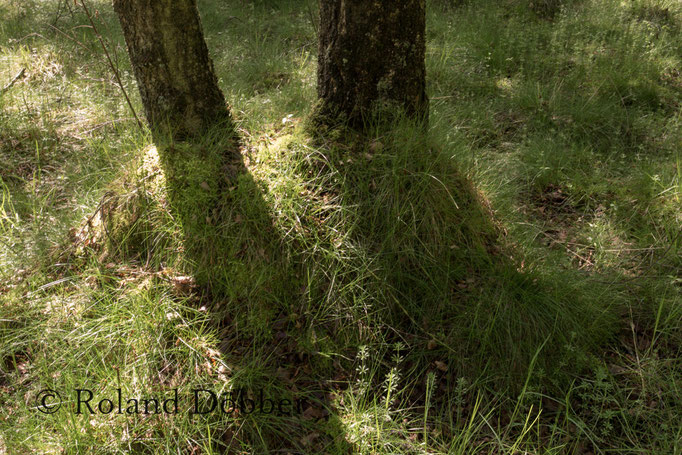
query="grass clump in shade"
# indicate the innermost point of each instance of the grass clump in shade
(427, 258)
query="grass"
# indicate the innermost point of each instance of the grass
(507, 282)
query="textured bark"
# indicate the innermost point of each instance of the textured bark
(372, 56)
(174, 72)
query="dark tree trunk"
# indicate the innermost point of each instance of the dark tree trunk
(173, 69)
(371, 56)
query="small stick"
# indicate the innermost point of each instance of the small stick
(110, 122)
(70, 37)
(19, 75)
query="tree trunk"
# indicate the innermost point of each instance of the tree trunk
(371, 57)
(174, 72)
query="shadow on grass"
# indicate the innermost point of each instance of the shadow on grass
(417, 257)
(251, 287)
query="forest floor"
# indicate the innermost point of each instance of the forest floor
(508, 282)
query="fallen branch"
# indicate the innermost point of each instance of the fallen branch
(19, 75)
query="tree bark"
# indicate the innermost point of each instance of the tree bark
(371, 57)
(172, 66)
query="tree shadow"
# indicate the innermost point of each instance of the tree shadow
(251, 287)
(426, 264)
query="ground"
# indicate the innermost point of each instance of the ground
(506, 282)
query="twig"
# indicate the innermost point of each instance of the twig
(11, 247)
(652, 264)
(110, 122)
(111, 63)
(586, 262)
(100, 210)
(19, 75)
(30, 35)
(58, 15)
(70, 37)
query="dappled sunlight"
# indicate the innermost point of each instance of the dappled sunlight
(506, 281)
